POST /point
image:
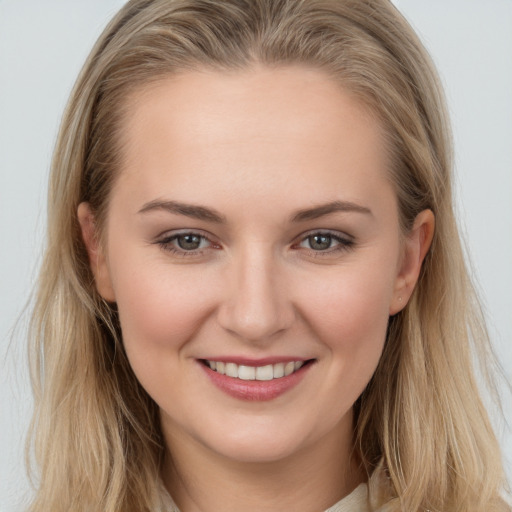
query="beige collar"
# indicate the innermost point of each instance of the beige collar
(356, 501)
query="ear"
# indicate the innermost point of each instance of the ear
(97, 259)
(415, 248)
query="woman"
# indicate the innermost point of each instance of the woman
(254, 296)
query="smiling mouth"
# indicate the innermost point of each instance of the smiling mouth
(260, 373)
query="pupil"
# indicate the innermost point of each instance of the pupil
(189, 242)
(320, 242)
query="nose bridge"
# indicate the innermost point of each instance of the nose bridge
(256, 306)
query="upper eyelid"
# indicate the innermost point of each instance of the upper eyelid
(341, 235)
(168, 234)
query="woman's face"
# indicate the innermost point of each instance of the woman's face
(253, 229)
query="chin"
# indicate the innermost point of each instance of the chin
(259, 442)
(256, 451)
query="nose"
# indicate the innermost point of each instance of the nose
(256, 305)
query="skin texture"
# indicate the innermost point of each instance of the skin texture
(256, 147)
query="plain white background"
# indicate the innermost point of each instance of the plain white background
(42, 47)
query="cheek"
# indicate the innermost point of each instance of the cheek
(350, 304)
(160, 306)
(160, 311)
(349, 315)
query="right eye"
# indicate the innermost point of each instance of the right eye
(186, 243)
(325, 243)
(190, 241)
(320, 241)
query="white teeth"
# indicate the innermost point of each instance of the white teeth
(278, 370)
(289, 368)
(231, 370)
(267, 372)
(246, 372)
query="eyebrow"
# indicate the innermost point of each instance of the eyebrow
(210, 215)
(328, 208)
(189, 210)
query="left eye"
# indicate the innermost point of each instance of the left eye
(319, 242)
(185, 243)
(324, 242)
(190, 241)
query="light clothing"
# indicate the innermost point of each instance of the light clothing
(356, 501)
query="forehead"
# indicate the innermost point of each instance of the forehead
(288, 127)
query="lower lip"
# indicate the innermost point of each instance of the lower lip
(255, 390)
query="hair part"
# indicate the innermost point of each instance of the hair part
(422, 432)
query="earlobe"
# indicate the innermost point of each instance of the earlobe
(416, 246)
(96, 253)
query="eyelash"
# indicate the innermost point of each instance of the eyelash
(166, 244)
(342, 244)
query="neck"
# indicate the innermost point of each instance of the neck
(314, 478)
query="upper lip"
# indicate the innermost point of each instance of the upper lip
(261, 361)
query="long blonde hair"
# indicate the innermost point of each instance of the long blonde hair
(420, 421)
